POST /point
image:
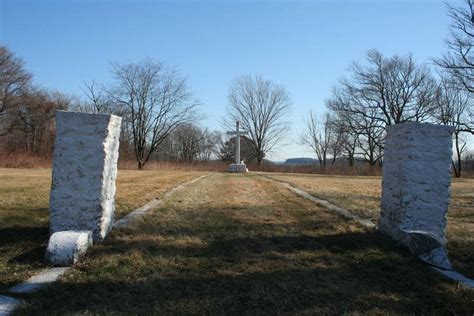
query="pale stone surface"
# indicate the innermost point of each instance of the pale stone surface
(139, 212)
(39, 280)
(437, 257)
(65, 248)
(84, 172)
(237, 134)
(416, 185)
(8, 304)
(237, 168)
(456, 276)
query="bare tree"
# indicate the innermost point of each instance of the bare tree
(191, 142)
(318, 137)
(26, 112)
(188, 140)
(98, 99)
(389, 90)
(32, 129)
(459, 59)
(260, 105)
(364, 131)
(336, 138)
(347, 139)
(453, 108)
(380, 92)
(157, 101)
(209, 147)
(370, 138)
(14, 81)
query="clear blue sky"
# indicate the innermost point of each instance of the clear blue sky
(304, 45)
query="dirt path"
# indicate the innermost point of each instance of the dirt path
(240, 244)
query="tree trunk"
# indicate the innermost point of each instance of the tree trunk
(455, 169)
(259, 157)
(351, 159)
(457, 165)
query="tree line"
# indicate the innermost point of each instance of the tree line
(26, 111)
(161, 116)
(382, 91)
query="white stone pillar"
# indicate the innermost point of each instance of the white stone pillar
(416, 185)
(84, 172)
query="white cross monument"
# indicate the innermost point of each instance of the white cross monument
(238, 166)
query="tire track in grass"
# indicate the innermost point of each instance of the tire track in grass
(450, 274)
(48, 276)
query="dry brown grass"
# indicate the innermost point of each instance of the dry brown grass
(23, 160)
(361, 195)
(357, 170)
(242, 244)
(31, 161)
(136, 188)
(24, 200)
(176, 166)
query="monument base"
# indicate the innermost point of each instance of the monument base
(237, 168)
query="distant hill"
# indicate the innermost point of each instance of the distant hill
(301, 161)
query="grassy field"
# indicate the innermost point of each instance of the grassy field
(24, 195)
(242, 244)
(361, 195)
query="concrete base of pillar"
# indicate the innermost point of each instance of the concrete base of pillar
(237, 168)
(65, 248)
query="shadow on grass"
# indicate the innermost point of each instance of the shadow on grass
(13, 235)
(35, 255)
(22, 252)
(235, 247)
(351, 279)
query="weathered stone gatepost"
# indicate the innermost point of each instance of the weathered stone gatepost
(416, 188)
(84, 173)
